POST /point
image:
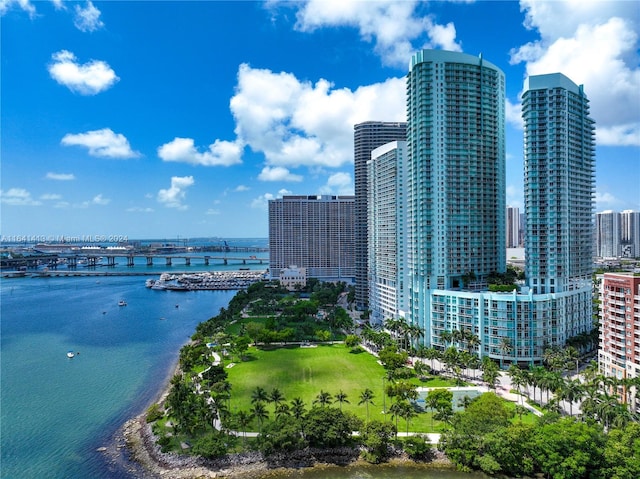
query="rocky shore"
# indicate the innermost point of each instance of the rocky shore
(141, 445)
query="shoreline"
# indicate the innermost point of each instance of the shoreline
(146, 455)
(140, 456)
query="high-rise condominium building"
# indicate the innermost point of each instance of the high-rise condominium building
(455, 181)
(513, 227)
(387, 241)
(559, 143)
(315, 233)
(630, 234)
(367, 136)
(608, 234)
(619, 352)
(455, 213)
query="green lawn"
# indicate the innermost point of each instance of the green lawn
(304, 372)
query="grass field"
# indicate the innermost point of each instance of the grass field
(304, 372)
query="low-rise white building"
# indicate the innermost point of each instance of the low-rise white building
(293, 277)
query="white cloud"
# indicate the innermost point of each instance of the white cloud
(277, 173)
(515, 197)
(96, 200)
(395, 28)
(58, 4)
(88, 79)
(305, 124)
(619, 135)
(176, 194)
(87, 19)
(284, 192)
(595, 44)
(100, 200)
(212, 212)
(50, 197)
(102, 143)
(338, 184)
(241, 188)
(25, 5)
(17, 197)
(220, 153)
(513, 114)
(262, 202)
(139, 209)
(60, 176)
(605, 200)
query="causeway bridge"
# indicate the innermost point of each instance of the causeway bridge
(72, 261)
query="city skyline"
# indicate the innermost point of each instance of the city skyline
(111, 128)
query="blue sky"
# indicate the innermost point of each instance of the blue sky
(165, 119)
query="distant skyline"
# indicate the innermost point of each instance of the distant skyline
(182, 119)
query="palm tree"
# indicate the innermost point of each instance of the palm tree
(396, 412)
(570, 391)
(366, 397)
(517, 378)
(414, 332)
(473, 341)
(259, 395)
(341, 397)
(520, 410)
(535, 377)
(573, 355)
(490, 372)
(431, 354)
(282, 409)
(446, 337)
(323, 398)
(407, 413)
(297, 408)
(505, 348)
(259, 412)
(244, 419)
(457, 336)
(276, 397)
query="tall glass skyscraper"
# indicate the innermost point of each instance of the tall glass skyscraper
(559, 162)
(367, 136)
(455, 177)
(387, 241)
(608, 234)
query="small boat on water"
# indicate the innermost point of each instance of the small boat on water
(70, 354)
(122, 302)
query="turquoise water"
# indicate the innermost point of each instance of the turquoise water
(56, 411)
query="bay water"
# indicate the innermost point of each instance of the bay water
(56, 412)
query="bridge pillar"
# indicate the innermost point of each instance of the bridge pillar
(206, 261)
(92, 261)
(168, 258)
(149, 260)
(130, 259)
(225, 260)
(187, 260)
(111, 260)
(72, 262)
(244, 261)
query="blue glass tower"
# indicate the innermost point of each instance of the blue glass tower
(455, 177)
